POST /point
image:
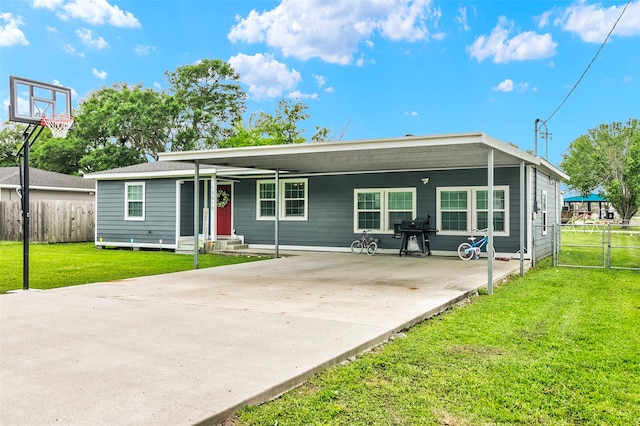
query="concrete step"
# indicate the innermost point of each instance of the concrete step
(230, 244)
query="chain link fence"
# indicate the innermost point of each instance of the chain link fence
(597, 245)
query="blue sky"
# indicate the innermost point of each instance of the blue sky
(366, 68)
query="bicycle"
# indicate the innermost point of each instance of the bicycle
(364, 242)
(467, 251)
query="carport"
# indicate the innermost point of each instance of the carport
(410, 153)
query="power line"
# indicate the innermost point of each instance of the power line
(590, 63)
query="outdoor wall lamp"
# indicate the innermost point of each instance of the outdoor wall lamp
(425, 180)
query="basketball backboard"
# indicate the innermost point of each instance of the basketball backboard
(30, 100)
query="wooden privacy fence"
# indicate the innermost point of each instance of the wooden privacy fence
(52, 221)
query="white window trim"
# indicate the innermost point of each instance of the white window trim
(472, 213)
(384, 210)
(281, 203)
(126, 201)
(544, 213)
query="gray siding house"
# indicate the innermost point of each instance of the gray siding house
(321, 196)
(45, 185)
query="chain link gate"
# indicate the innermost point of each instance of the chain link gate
(594, 245)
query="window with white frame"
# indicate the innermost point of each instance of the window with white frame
(293, 199)
(377, 210)
(462, 209)
(543, 211)
(134, 202)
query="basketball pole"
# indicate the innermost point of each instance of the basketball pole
(24, 192)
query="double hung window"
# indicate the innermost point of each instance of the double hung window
(134, 203)
(293, 199)
(462, 209)
(377, 210)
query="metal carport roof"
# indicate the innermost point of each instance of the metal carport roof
(453, 151)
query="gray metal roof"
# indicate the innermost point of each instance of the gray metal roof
(437, 152)
(10, 177)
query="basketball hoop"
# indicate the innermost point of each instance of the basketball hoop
(58, 124)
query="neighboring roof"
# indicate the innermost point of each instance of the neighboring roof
(454, 151)
(588, 199)
(44, 179)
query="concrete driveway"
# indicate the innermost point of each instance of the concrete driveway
(193, 347)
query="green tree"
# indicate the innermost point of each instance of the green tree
(10, 140)
(281, 127)
(608, 159)
(206, 101)
(129, 116)
(61, 155)
(111, 156)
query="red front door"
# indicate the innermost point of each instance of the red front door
(224, 213)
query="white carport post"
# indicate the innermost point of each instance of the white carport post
(490, 221)
(276, 239)
(522, 216)
(196, 216)
(213, 214)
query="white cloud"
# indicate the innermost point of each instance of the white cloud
(86, 36)
(98, 12)
(10, 34)
(523, 46)
(508, 85)
(332, 30)
(52, 30)
(504, 86)
(72, 50)
(297, 95)
(411, 113)
(544, 19)
(462, 18)
(320, 80)
(265, 76)
(46, 4)
(592, 22)
(330, 90)
(100, 74)
(143, 50)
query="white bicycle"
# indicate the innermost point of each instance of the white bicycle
(364, 242)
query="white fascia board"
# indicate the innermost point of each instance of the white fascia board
(51, 188)
(553, 170)
(227, 154)
(152, 175)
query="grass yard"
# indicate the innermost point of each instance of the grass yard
(589, 246)
(557, 347)
(60, 265)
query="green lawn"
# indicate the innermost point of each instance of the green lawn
(60, 265)
(557, 347)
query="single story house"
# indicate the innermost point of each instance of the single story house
(45, 185)
(321, 196)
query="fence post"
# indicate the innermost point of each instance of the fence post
(554, 251)
(609, 246)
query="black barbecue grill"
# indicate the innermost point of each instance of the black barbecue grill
(420, 229)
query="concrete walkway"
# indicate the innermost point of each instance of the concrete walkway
(193, 347)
